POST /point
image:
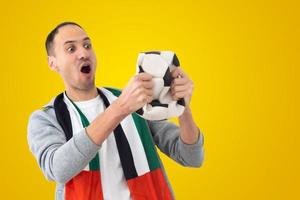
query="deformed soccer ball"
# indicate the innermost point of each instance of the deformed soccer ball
(160, 64)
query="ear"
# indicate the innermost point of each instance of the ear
(52, 63)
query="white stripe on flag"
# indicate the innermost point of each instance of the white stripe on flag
(75, 121)
(134, 140)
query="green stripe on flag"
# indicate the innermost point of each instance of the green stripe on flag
(94, 164)
(147, 142)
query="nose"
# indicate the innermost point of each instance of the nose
(82, 54)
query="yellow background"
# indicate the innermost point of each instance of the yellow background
(243, 57)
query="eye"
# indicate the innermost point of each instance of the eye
(88, 46)
(71, 49)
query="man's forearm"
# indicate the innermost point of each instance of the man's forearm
(189, 131)
(106, 122)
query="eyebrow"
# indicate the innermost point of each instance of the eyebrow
(72, 41)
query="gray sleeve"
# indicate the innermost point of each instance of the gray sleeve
(166, 136)
(58, 159)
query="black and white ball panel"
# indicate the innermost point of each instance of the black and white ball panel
(160, 64)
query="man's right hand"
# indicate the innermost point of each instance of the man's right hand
(136, 94)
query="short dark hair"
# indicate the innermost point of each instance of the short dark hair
(52, 34)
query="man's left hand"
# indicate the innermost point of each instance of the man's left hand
(182, 86)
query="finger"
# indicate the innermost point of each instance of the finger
(149, 99)
(144, 76)
(142, 98)
(179, 95)
(174, 97)
(179, 81)
(139, 91)
(179, 88)
(177, 72)
(148, 92)
(148, 84)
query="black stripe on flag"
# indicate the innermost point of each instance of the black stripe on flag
(63, 116)
(123, 146)
(125, 153)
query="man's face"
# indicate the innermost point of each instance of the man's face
(74, 58)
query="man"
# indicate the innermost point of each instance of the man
(90, 141)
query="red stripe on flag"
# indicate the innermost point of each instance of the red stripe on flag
(85, 185)
(151, 185)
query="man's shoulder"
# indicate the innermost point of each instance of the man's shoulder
(44, 111)
(49, 105)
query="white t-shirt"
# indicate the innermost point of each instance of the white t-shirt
(113, 181)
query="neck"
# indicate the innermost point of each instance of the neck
(81, 95)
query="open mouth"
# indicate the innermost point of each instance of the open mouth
(85, 69)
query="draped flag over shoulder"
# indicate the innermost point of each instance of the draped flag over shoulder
(136, 149)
